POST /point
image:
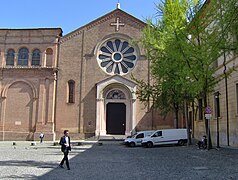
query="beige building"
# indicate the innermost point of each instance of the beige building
(80, 81)
(223, 104)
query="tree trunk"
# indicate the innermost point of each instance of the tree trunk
(186, 119)
(176, 111)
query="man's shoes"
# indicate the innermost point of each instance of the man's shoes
(68, 168)
(61, 166)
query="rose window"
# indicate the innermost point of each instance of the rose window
(117, 57)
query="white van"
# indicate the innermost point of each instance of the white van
(166, 136)
(136, 139)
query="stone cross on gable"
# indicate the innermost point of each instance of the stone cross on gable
(117, 24)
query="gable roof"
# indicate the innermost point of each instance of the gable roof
(137, 22)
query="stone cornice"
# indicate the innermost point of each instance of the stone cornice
(28, 67)
(31, 43)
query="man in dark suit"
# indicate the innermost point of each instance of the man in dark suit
(65, 148)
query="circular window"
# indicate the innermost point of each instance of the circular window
(116, 57)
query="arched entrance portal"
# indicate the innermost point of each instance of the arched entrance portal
(116, 118)
(115, 111)
(115, 106)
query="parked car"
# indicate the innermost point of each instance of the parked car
(166, 136)
(136, 139)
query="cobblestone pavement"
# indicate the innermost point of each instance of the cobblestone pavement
(112, 160)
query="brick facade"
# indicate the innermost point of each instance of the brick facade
(28, 91)
(35, 99)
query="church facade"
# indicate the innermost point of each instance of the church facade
(80, 82)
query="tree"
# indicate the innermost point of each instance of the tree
(182, 47)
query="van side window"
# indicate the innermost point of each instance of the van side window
(157, 134)
(140, 136)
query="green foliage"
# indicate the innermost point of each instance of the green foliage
(182, 48)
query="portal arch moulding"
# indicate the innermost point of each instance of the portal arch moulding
(124, 90)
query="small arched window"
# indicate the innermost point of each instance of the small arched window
(23, 56)
(49, 57)
(35, 58)
(10, 57)
(71, 91)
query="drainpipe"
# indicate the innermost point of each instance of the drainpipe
(227, 103)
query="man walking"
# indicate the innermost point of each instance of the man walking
(65, 148)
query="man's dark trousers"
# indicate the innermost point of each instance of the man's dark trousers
(66, 152)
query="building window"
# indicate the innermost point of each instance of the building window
(200, 109)
(157, 134)
(49, 57)
(116, 94)
(35, 58)
(116, 56)
(23, 56)
(71, 91)
(10, 57)
(141, 135)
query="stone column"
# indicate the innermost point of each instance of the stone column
(133, 113)
(98, 117)
(41, 102)
(51, 99)
(3, 58)
(47, 100)
(29, 59)
(15, 59)
(2, 121)
(100, 120)
(128, 116)
(45, 122)
(103, 130)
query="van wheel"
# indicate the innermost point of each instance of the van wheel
(149, 144)
(132, 144)
(181, 143)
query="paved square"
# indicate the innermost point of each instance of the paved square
(112, 160)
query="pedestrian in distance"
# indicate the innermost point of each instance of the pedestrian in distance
(41, 137)
(202, 143)
(65, 148)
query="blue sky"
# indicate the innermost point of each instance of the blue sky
(67, 14)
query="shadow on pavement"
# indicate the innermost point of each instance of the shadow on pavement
(115, 161)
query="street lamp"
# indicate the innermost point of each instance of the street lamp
(216, 95)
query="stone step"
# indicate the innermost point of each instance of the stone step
(107, 138)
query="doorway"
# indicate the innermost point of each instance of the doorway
(116, 118)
